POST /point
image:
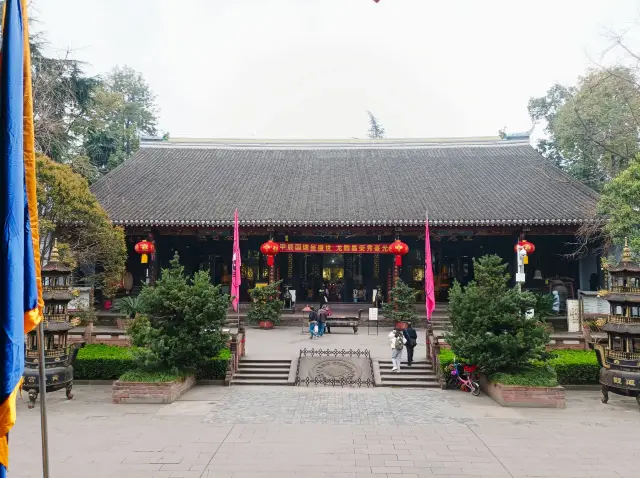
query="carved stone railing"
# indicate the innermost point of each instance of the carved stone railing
(617, 355)
(622, 319)
(620, 288)
(237, 348)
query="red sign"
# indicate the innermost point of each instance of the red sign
(335, 248)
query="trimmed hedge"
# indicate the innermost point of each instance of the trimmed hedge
(575, 367)
(535, 376)
(216, 368)
(150, 377)
(102, 362)
(571, 367)
(108, 362)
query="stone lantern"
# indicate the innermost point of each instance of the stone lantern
(59, 353)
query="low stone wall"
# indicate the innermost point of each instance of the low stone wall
(528, 397)
(143, 392)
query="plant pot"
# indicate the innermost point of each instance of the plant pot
(107, 303)
(266, 324)
(401, 325)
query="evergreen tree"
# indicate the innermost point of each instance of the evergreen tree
(489, 324)
(401, 307)
(376, 131)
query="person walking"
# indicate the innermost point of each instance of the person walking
(411, 337)
(322, 319)
(397, 342)
(313, 323)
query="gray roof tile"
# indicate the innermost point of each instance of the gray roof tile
(500, 181)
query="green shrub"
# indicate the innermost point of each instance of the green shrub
(216, 368)
(265, 304)
(186, 316)
(489, 324)
(446, 358)
(156, 376)
(102, 362)
(575, 367)
(533, 376)
(401, 307)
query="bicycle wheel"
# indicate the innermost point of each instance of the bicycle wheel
(475, 389)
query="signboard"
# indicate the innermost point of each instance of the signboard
(81, 299)
(573, 315)
(373, 314)
(520, 277)
(335, 248)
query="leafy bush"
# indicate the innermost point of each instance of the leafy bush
(102, 362)
(489, 324)
(185, 318)
(401, 307)
(532, 376)
(265, 303)
(446, 358)
(128, 305)
(215, 368)
(156, 376)
(575, 367)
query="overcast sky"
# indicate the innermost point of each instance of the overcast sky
(311, 68)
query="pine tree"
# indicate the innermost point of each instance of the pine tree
(376, 131)
(489, 324)
(401, 306)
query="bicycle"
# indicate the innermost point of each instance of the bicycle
(464, 377)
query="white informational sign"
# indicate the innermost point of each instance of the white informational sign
(573, 315)
(595, 305)
(520, 277)
(81, 299)
(373, 314)
(529, 314)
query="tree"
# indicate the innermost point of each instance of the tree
(265, 304)
(376, 131)
(123, 108)
(184, 319)
(620, 204)
(69, 211)
(401, 306)
(489, 326)
(592, 129)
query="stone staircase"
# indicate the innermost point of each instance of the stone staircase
(420, 374)
(262, 372)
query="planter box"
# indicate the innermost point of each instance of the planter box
(144, 392)
(527, 397)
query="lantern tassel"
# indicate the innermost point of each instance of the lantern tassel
(144, 259)
(398, 260)
(270, 261)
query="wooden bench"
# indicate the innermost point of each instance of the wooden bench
(343, 321)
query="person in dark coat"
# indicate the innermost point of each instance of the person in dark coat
(411, 336)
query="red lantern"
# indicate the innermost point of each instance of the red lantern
(400, 249)
(527, 246)
(270, 249)
(144, 248)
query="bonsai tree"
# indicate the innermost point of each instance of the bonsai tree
(401, 307)
(266, 305)
(489, 324)
(181, 321)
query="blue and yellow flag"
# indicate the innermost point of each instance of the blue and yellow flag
(20, 285)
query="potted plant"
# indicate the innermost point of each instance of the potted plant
(131, 306)
(400, 309)
(265, 306)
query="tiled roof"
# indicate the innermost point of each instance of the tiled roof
(392, 182)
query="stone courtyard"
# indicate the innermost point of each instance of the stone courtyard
(291, 432)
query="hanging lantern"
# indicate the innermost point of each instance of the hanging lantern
(526, 245)
(400, 249)
(270, 249)
(145, 248)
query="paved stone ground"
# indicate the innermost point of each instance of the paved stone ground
(286, 342)
(287, 432)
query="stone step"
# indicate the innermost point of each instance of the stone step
(261, 376)
(415, 363)
(243, 381)
(262, 370)
(395, 383)
(402, 377)
(258, 361)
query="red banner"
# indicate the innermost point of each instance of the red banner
(335, 248)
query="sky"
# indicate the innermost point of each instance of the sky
(312, 68)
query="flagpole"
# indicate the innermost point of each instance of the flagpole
(43, 402)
